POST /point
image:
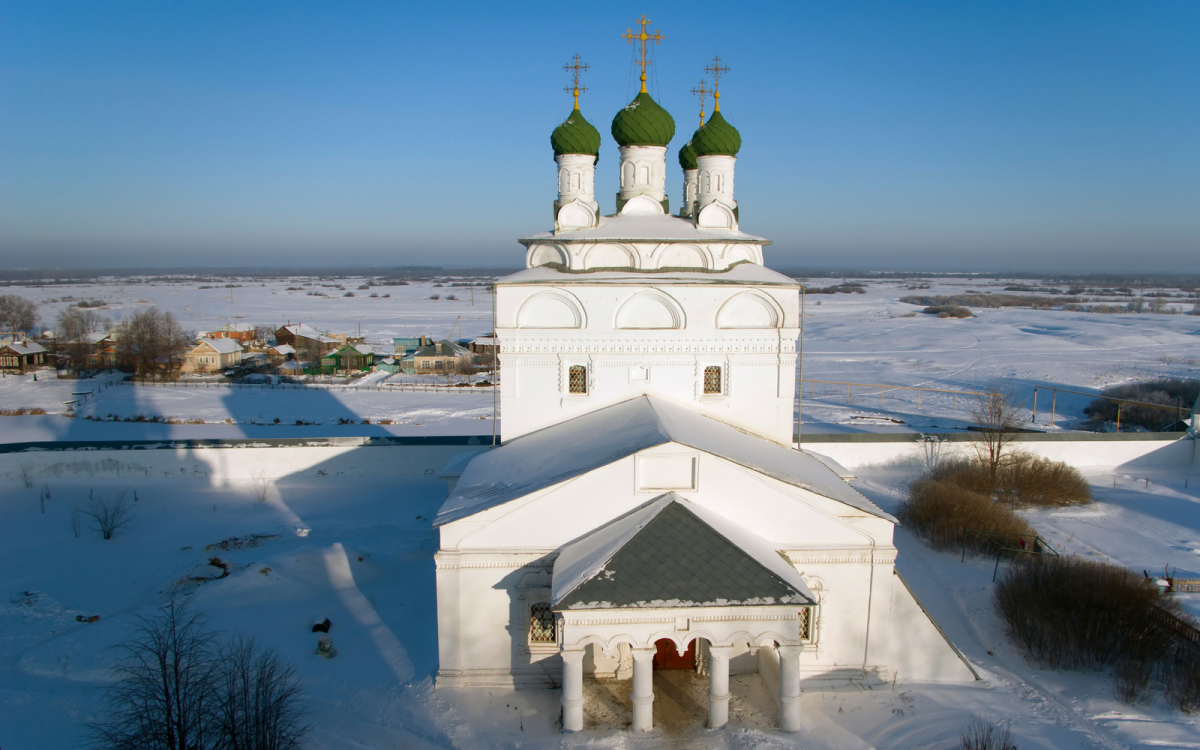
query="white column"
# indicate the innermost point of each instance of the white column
(643, 689)
(789, 688)
(718, 686)
(691, 184)
(572, 690)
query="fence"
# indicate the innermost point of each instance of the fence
(1005, 544)
(1181, 629)
(1118, 401)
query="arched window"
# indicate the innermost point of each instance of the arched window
(712, 380)
(577, 379)
(541, 624)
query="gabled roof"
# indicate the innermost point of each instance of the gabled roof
(237, 327)
(285, 349)
(24, 348)
(672, 553)
(577, 446)
(303, 331)
(443, 349)
(221, 346)
(363, 349)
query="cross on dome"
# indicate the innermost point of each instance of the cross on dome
(717, 70)
(642, 37)
(702, 91)
(575, 68)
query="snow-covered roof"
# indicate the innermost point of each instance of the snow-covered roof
(742, 273)
(673, 553)
(237, 327)
(577, 446)
(484, 341)
(96, 338)
(657, 228)
(329, 340)
(24, 347)
(363, 349)
(291, 365)
(285, 349)
(443, 349)
(304, 331)
(222, 346)
(386, 361)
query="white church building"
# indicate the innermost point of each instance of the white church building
(648, 508)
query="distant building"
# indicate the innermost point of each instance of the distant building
(408, 345)
(308, 343)
(102, 350)
(388, 364)
(349, 358)
(484, 345)
(21, 356)
(441, 358)
(212, 355)
(237, 331)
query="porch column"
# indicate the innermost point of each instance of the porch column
(789, 688)
(572, 690)
(643, 689)
(718, 685)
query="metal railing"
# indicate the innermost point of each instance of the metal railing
(1118, 401)
(383, 388)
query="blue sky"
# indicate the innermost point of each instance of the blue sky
(1023, 135)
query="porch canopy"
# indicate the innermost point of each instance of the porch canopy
(673, 569)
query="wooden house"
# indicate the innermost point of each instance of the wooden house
(22, 356)
(349, 358)
(244, 332)
(212, 355)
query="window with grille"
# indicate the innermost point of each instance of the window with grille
(712, 380)
(577, 379)
(806, 624)
(541, 624)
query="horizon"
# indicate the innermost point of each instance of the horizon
(1020, 138)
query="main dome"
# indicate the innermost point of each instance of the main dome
(643, 122)
(717, 138)
(576, 136)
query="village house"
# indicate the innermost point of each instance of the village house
(406, 345)
(440, 358)
(22, 356)
(244, 332)
(212, 355)
(307, 342)
(102, 350)
(388, 364)
(349, 358)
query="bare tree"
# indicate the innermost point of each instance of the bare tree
(163, 698)
(261, 704)
(149, 339)
(74, 325)
(264, 332)
(261, 483)
(109, 516)
(996, 416)
(17, 313)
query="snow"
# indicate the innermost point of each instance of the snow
(647, 227)
(222, 346)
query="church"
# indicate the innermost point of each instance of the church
(648, 508)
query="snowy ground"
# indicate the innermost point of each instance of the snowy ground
(367, 564)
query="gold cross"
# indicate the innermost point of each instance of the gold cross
(702, 91)
(717, 70)
(575, 67)
(643, 37)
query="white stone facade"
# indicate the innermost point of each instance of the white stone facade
(643, 172)
(578, 208)
(691, 188)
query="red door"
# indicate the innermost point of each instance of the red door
(667, 657)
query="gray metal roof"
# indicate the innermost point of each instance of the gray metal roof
(672, 553)
(577, 446)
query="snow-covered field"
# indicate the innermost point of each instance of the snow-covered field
(870, 338)
(366, 562)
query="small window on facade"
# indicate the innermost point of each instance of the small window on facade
(806, 624)
(577, 379)
(541, 624)
(712, 380)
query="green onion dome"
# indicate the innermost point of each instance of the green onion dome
(576, 136)
(717, 138)
(687, 156)
(643, 122)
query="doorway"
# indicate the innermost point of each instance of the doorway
(666, 656)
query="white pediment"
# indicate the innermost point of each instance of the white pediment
(650, 310)
(577, 214)
(716, 215)
(641, 205)
(551, 309)
(749, 310)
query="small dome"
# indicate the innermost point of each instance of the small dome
(643, 122)
(576, 136)
(687, 156)
(717, 138)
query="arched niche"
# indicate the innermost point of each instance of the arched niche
(750, 310)
(716, 215)
(739, 253)
(651, 310)
(541, 255)
(552, 309)
(641, 205)
(682, 256)
(609, 256)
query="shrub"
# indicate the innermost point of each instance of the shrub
(1167, 392)
(981, 734)
(938, 511)
(948, 311)
(109, 516)
(1179, 673)
(1074, 613)
(1032, 481)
